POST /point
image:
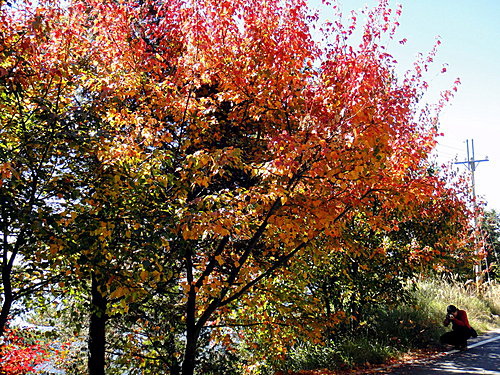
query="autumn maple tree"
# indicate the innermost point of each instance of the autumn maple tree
(211, 164)
(24, 350)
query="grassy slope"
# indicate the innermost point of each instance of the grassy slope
(412, 327)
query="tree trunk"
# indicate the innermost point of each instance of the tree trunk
(188, 364)
(6, 267)
(6, 306)
(97, 330)
(8, 299)
(192, 330)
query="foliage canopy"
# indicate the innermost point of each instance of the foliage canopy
(206, 170)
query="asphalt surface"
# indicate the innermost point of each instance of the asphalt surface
(481, 357)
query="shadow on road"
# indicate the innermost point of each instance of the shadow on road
(482, 358)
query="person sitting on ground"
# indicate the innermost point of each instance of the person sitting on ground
(461, 329)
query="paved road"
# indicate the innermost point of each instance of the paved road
(482, 357)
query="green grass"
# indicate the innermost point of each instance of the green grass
(395, 331)
(341, 355)
(482, 304)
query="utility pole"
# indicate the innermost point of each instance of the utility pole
(471, 164)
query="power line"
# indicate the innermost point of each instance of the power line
(449, 147)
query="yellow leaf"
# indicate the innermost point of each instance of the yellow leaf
(156, 275)
(219, 260)
(54, 248)
(119, 292)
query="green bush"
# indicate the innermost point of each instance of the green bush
(334, 356)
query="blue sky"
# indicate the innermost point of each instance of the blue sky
(470, 34)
